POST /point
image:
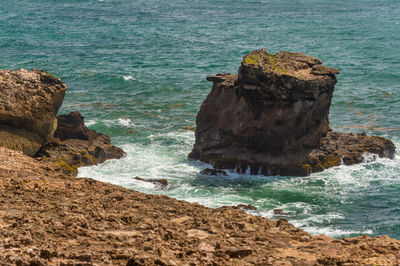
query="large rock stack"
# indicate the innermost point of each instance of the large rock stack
(272, 118)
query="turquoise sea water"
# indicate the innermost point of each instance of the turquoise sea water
(136, 70)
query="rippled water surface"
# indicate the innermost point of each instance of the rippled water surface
(136, 70)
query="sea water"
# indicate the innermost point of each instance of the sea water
(136, 70)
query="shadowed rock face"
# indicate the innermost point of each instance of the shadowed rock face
(75, 145)
(29, 102)
(272, 117)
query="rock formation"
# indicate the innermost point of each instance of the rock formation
(48, 218)
(29, 102)
(213, 172)
(75, 145)
(162, 184)
(272, 118)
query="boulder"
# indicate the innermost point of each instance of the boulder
(29, 102)
(272, 118)
(75, 145)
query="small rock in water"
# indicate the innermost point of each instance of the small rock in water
(159, 183)
(215, 172)
(279, 211)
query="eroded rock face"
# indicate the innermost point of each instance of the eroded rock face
(29, 102)
(75, 145)
(272, 118)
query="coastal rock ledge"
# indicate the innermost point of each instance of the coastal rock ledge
(29, 102)
(272, 118)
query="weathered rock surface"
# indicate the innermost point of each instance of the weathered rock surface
(272, 118)
(29, 102)
(75, 145)
(48, 218)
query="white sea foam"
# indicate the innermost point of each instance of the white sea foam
(129, 77)
(334, 232)
(125, 122)
(304, 205)
(369, 157)
(122, 121)
(89, 123)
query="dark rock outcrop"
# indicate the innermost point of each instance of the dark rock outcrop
(72, 126)
(272, 118)
(29, 102)
(75, 145)
(214, 172)
(158, 183)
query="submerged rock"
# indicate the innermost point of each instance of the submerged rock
(75, 145)
(29, 102)
(278, 211)
(272, 118)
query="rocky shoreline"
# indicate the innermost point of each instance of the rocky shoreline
(50, 217)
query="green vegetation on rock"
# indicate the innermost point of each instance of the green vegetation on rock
(269, 61)
(252, 59)
(47, 74)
